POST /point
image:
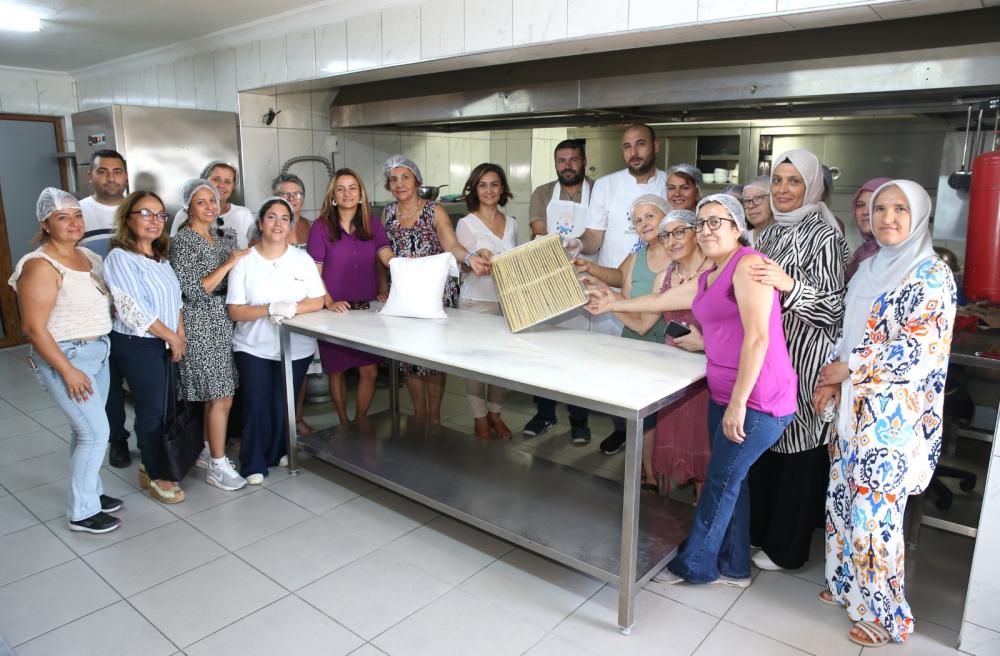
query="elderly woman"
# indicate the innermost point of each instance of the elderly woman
(485, 231)
(751, 387)
(683, 186)
(274, 282)
(805, 255)
(66, 316)
(889, 373)
(419, 228)
(235, 223)
(148, 332)
(207, 371)
(859, 205)
(757, 206)
(350, 249)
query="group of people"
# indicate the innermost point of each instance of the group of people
(825, 370)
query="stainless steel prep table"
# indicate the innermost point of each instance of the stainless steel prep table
(581, 520)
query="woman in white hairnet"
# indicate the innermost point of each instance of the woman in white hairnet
(237, 225)
(66, 316)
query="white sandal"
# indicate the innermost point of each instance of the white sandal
(876, 634)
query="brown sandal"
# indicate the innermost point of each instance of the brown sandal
(498, 427)
(481, 428)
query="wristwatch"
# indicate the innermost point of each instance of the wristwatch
(468, 260)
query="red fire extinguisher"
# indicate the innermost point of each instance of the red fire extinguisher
(982, 246)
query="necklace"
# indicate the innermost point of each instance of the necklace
(409, 214)
(697, 269)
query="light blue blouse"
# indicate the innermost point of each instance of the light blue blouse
(144, 290)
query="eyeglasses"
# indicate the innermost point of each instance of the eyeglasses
(149, 215)
(713, 223)
(754, 201)
(676, 233)
(289, 195)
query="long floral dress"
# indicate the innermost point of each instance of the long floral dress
(897, 376)
(420, 240)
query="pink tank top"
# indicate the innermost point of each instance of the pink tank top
(716, 310)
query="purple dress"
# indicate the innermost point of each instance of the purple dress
(350, 273)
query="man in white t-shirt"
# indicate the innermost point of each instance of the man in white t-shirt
(235, 224)
(108, 176)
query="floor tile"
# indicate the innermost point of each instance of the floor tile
(62, 431)
(30, 398)
(143, 561)
(198, 603)
(6, 409)
(936, 586)
(373, 593)
(662, 626)
(36, 471)
(19, 424)
(368, 650)
(532, 588)
(48, 417)
(139, 515)
(14, 516)
(553, 645)
(248, 519)
(460, 623)
(44, 601)
(979, 641)
(726, 637)
(379, 517)
(928, 639)
(305, 552)
(30, 551)
(288, 626)
(716, 600)
(200, 496)
(29, 445)
(50, 500)
(785, 608)
(318, 493)
(117, 630)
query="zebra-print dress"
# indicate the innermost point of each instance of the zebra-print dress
(815, 255)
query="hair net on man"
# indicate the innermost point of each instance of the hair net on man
(689, 169)
(397, 161)
(732, 206)
(53, 199)
(205, 172)
(684, 216)
(655, 200)
(192, 186)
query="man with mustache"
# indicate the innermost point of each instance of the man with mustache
(562, 207)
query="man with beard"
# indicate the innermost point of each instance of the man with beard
(562, 207)
(108, 176)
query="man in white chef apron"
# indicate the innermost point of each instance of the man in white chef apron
(562, 207)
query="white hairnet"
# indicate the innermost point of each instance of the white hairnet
(732, 206)
(657, 201)
(193, 185)
(762, 182)
(690, 169)
(52, 199)
(734, 190)
(399, 160)
(685, 216)
(218, 162)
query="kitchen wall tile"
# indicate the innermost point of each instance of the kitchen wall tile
(56, 96)
(442, 28)
(364, 42)
(225, 80)
(437, 170)
(300, 49)
(721, 9)
(479, 152)
(296, 143)
(260, 163)
(845, 16)
(401, 34)
(747, 27)
(150, 93)
(539, 20)
(488, 24)
(272, 60)
(204, 80)
(321, 101)
(331, 48)
(596, 17)
(520, 212)
(18, 94)
(184, 76)
(133, 86)
(105, 95)
(498, 152)
(119, 87)
(248, 66)
(459, 161)
(414, 146)
(384, 146)
(86, 89)
(653, 13)
(358, 154)
(296, 110)
(323, 146)
(166, 85)
(519, 167)
(252, 109)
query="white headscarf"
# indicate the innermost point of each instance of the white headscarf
(811, 171)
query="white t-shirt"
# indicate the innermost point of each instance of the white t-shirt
(238, 227)
(473, 235)
(611, 210)
(256, 280)
(98, 225)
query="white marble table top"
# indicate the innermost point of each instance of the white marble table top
(622, 373)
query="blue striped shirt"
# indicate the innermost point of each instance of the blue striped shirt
(144, 290)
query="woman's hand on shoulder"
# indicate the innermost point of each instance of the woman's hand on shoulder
(236, 256)
(769, 272)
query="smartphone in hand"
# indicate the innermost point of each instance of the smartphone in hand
(675, 330)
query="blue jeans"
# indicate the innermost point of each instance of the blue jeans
(719, 542)
(89, 438)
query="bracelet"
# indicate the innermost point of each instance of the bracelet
(468, 260)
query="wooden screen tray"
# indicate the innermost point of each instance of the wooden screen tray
(536, 282)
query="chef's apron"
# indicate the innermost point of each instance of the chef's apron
(568, 219)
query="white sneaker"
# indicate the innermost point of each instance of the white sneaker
(761, 560)
(224, 476)
(255, 479)
(731, 582)
(204, 458)
(668, 577)
(283, 462)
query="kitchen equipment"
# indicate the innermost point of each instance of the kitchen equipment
(428, 192)
(982, 247)
(962, 178)
(708, 178)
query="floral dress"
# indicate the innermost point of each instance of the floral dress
(897, 376)
(420, 240)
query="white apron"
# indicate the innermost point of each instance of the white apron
(568, 219)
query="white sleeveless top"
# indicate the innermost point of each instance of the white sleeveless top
(83, 306)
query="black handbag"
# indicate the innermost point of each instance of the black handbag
(182, 430)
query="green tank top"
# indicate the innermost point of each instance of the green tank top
(642, 283)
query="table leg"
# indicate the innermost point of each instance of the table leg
(630, 524)
(394, 386)
(290, 397)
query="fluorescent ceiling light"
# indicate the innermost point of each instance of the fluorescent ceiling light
(19, 19)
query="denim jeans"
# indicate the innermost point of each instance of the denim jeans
(719, 542)
(142, 361)
(89, 437)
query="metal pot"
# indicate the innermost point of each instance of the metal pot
(428, 192)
